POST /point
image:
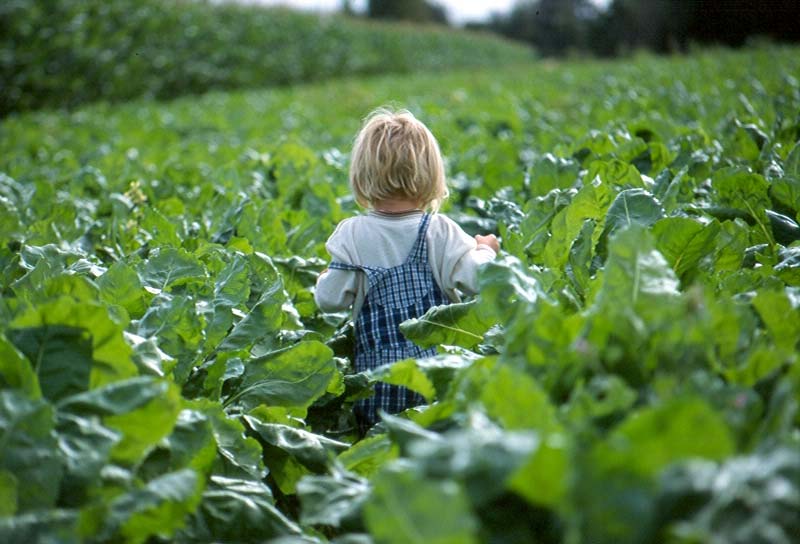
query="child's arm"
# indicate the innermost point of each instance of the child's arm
(457, 256)
(488, 240)
(336, 290)
(465, 272)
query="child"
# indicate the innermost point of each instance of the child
(396, 261)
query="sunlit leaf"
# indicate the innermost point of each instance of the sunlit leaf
(453, 324)
(294, 377)
(685, 242)
(406, 373)
(407, 507)
(143, 410)
(94, 333)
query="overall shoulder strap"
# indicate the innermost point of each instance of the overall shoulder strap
(368, 270)
(343, 266)
(419, 251)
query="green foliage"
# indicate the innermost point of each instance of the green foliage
(454, 324)
(628, 372)
(30, 462)
(68, 52)
(406, 507)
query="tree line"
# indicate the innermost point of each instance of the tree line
(561, 27)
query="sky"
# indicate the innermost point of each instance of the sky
(458, 11)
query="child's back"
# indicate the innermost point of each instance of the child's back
(396, 262)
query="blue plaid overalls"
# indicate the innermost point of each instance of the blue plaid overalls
(393, 295)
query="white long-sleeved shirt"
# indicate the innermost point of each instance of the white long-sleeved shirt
(385, 240)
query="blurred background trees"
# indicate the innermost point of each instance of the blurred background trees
(62, 53)
(608, 28)
(411, 10)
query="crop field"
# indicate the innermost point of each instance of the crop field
(628, 374)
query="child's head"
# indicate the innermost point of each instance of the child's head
(396, 156)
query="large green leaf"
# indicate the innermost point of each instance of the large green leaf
(262, 322)
(173, 320)
(69, 284)
(633, 323)
(781, 318)
(62, 355)
(294, 378)
(637, 276)
(633, 206)
(158, 508)
(406, 373)
(231, 508)
(685, 242)
(591, 202)
(191, 444)
(366, 456)
(462, 324)
(550, 172)
(614, 172)
(515, 399)
(407, 507)
(442, 369)
(505, 284)
(42, 264)
(148, 357)
(16, 371)
(313, 451)
(170, 267)
(674, 191)
(539, 213)
(90, 331)
(336, 500)
(231, 291)
(786, 192)
(732, 242)
(791, 166)
(579, 263)
(29, 451)
(121, 285)
(143, 410)
(159, 229)
(543, 480)
(239, 456)
(615, 487)
(481, 456)
(85, 447)
(231, 286)
(745, 191)
(254, 276)
(707, 499)
(652, 438)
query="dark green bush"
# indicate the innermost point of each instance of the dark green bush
(60, 53)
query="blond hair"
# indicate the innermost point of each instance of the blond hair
(396, 156)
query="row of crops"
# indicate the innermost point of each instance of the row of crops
(62, 53)
(628, 373)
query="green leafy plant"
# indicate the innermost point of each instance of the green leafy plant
(628, 372)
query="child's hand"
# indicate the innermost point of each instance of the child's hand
(489, 240)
